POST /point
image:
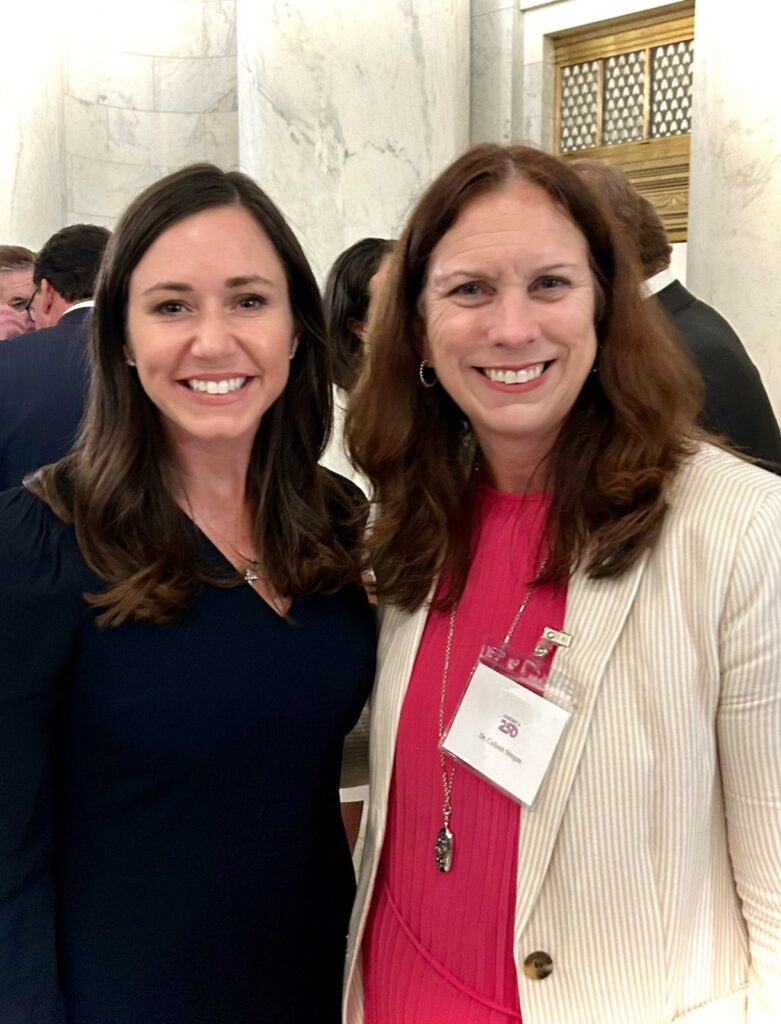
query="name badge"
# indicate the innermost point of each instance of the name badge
(505, 732)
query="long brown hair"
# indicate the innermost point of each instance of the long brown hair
(116, 486)
(615, 455)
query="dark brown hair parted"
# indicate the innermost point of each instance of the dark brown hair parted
(621, 444)
(116, 486)
(346, 298)
(635, 214)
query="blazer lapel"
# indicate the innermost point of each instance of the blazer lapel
(595, 615)
(400, 634)
(399, 640)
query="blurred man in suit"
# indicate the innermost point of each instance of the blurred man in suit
(43, 375)
(736, 404)
(16, 289)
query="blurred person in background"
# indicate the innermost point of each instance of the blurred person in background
(736, 406)
(353, 283)
(44, 375)
(16, 290)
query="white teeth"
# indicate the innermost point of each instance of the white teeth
(514, 376)
(216, 387)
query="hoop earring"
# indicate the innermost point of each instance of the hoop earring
(431, 382)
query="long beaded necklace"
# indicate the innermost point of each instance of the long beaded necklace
(443, 848)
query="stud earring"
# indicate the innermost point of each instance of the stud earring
(431, 381)
(130, 362)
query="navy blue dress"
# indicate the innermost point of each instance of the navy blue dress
(171, 847)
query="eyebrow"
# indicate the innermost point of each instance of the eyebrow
(548, 268)
(231, 282)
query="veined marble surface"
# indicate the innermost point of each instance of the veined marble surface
(347, 110)
(32, 183)
(496, 95)
(147, 89)
(734, 244)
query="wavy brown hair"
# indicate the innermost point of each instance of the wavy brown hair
(116, 486)
(614, 458)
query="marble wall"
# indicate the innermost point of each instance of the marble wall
(348, 108)
(148, 87)
(32, 184)
(735, 188)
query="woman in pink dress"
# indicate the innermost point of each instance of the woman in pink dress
(575, 805)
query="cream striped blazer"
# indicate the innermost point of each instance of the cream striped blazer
(650, 866)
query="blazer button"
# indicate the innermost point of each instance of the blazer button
(537, 965)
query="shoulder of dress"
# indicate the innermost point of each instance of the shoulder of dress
(37, 546)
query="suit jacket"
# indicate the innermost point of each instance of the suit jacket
(43, 383)
(736, 403)
(650, 866)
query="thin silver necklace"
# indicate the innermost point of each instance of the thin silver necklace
(251, 571)
(443, 848)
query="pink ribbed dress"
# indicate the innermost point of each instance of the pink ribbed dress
(438, 947)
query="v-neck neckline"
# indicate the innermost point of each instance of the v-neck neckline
(223, 558)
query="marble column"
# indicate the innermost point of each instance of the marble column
(734, 250)
(32, 180)
(347, 109)
(497, 91)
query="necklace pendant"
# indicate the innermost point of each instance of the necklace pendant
(443, 850)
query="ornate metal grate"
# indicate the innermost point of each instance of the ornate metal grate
(579, 99)
(624, 90)
(626, 97)
(671, 89)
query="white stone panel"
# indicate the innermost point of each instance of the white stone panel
(164, 28)
(481, 7)
(348, 109)
(734, 243)
(104, 189)
(495, 98)
(86, 128)
(110, 78)
(204, 84)
(221, 139)
(152, 137)
(32, 179)
(73, 217)
(219, 19)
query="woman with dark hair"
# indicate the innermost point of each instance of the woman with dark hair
(576, 769)
(184, 645)
(353, 282)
